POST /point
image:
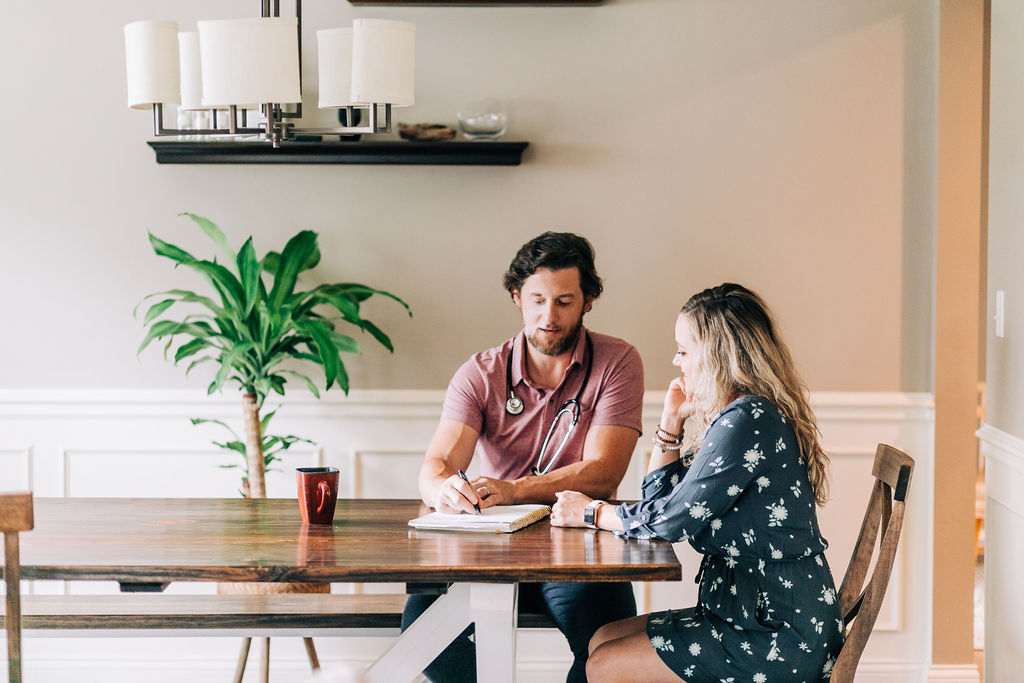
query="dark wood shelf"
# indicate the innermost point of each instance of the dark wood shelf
(450, 153)
(470, 3)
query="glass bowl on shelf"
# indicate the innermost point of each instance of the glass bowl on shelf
(483, 120)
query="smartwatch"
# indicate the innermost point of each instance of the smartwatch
(590, 513)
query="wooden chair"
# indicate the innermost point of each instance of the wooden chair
(860, 596)
(15, 516)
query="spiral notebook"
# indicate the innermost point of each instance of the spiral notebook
(502, 519)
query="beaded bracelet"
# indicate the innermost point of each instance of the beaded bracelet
(667, 435)
(666, 445)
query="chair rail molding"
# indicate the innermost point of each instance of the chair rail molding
(1004, 467)
(122, 442)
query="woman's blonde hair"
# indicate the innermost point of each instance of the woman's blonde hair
(740, 352)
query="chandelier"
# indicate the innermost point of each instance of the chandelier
(244, 69)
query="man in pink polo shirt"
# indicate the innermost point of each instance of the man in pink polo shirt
(514, 404)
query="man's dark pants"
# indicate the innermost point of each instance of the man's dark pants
(579, 609)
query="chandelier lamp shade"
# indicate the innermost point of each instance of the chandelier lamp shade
(239, 68)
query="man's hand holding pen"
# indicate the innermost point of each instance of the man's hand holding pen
(459, 495)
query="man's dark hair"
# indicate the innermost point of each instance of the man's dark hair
(555, 250)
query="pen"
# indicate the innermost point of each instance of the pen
(462, 475)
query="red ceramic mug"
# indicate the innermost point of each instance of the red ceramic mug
(318, 493)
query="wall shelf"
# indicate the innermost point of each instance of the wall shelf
(449, 153)
(439, 3)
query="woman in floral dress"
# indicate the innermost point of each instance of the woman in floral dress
(744, 494)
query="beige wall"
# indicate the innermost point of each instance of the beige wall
(786, 145)
(1005, 374)
(1004, 517)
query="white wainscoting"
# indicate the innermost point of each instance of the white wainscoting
(1004, 553)
(140, 443)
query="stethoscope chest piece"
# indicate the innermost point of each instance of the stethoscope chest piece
(514, 405)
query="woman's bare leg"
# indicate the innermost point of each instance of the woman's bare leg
(626, 659)
(618, 629)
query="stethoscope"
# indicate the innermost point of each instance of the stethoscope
(572, 408)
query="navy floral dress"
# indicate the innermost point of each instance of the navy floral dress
(767, 610)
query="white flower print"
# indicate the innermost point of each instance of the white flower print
(731, 550)
(818, 625)
(715, 634)
(817, 560)
(659, 643)
(699, 510)
(805, 647)
(688, 671)
(725, 422)
(732, 589)
(752, 457)
(745, 646)
(749, 537)
(786, 583)
(776, 553)
(828, 595)
(827, 669)
(763, 483)
(777, 513)
(694, 649)
(780, 445)
(795, 488)
(717, 464)
(755, 410)
(733, 490)
(760, 678)
(673, 480)
(658, 620)
(716, 524)
(774, 654)
(760, 566)
(730, 679)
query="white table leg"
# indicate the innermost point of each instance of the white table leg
(495, 630)
(491, 606)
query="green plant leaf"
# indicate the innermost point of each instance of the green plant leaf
(292, 259)
(363, 292)
(342, 377)
(236, 446)
(227, 364)
(384, 340)
(225, 282)
(327, 352)
(190, 349)
(249, 273)
(185, 296)
(169, 250)
(345, 343)
(206, 420)
(213, 232)
(170, 328)
(307, 380)
(270, 262)
(205, 359)
(156, 309)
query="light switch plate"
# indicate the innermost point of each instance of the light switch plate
(1000, 316)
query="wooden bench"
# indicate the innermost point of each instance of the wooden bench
(158, 614)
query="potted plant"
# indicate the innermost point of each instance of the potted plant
(256, 321)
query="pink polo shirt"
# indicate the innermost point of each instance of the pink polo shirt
(509, 444)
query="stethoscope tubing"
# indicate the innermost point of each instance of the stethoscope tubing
(573, 407)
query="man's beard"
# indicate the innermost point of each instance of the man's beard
(556, 347)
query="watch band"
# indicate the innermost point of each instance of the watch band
(590, 513)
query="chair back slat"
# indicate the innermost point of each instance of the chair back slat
(15, 516)
(861, 594)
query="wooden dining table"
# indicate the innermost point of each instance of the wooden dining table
(147, 543)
